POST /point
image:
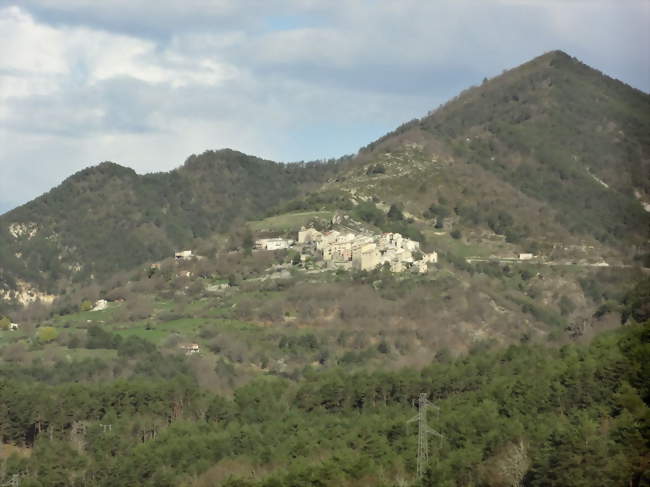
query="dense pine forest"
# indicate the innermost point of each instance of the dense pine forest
(525, 415)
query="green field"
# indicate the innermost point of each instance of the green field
(289, 221)
(446, 243)
(153, 335)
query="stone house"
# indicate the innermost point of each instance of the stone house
(430, 258)
(366, 252)
(338, 252)
(420, 266)
(327, 239)
(307, 235)
(367, 258)
(183, 255)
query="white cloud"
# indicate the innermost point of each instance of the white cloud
(60, 80)
(147, 83)
(35, 50)
(28, 46)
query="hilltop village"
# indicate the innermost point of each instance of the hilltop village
(350, 250)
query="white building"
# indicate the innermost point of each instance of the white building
(404, 255)
(431, 258)
(191, 348)
(183, 255)
(276, 243)
(411, 245)
(338, 252)
(307, 235)
(366, 252)
(420, 266)
(327, 239)
(366, 258)
(100, 305)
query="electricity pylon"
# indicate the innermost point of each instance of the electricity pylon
(14, 481)
(423, 433)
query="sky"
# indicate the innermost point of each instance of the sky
(146, 83)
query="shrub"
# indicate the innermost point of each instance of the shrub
(46, 334)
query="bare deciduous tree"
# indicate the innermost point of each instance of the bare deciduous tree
(508, 466)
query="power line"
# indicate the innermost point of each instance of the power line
(424, 431)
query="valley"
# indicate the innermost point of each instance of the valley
(248, 323)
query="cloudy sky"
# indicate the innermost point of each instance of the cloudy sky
(146, 83)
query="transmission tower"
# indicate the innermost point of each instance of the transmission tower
(14, 481)
(424, 431)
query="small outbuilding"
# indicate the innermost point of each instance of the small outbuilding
(183, 255)
(276, 243)
(191, 348)
(100, 305)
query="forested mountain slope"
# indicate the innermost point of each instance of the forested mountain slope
(108, 218)
(549, 157)
(552, 152)
(577, 416)
(261, 368)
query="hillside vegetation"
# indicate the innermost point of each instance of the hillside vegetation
(107, 218)
(572, 416)
(552, 152)
(245, 367)
(548, 156)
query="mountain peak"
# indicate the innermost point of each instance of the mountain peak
(212, 159)
(553, 142)
(109, 168)
(555, 54)
(103, 170)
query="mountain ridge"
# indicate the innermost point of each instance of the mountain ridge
(108, 218)
(515, 156)
(533, 128)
